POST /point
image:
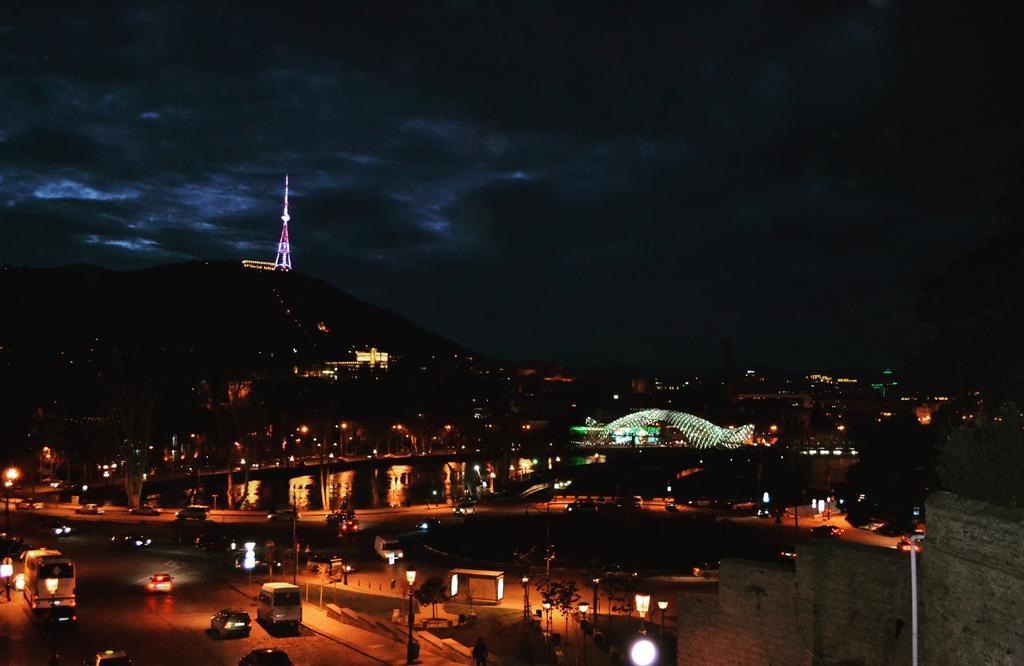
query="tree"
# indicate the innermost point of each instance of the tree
(565, 600)
(133, 387)
(985, 460)
(433, 591)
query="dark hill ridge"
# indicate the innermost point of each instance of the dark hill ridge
(210, 309)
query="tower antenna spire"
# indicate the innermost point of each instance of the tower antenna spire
(284, 253)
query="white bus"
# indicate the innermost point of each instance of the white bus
(49, 580)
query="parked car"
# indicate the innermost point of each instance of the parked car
(629, 502)
(146, 510)
(110, 658)
(131, 541)
(230, 622)
(266, 657)
(89, 509)
(283, 515)
(30, 504)
(827, 531)
(160, 582)
(193, 512)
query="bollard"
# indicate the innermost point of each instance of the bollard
(321, 596)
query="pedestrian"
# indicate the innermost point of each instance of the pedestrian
(480, 652)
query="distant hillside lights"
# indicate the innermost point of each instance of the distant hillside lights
(369, 360)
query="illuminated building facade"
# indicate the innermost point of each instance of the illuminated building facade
(370, 360)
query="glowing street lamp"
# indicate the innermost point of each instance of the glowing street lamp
(643, 602)
(526, 598)
(583, 608)
(662, 605)
(547, 612)
(11, 474)
(643, 652)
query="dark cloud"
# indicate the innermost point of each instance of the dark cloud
(600, 182)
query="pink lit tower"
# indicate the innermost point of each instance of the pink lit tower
(284, 253)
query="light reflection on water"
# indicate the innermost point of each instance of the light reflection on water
(368, 487)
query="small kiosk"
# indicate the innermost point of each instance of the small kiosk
(487, 587)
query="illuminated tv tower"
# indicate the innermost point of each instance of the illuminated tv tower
(284, 253)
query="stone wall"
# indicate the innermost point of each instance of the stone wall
(842, 604)
(973, 583)
(847, 604)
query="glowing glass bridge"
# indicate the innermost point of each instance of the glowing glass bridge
(662, 427)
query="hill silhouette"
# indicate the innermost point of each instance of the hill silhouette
(212, 312)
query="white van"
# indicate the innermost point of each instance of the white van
(386, 546)
(279, 603)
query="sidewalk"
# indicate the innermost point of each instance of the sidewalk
(372, 645)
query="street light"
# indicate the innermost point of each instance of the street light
(584, 607)
(915, 542)
(643, 602)
(596, 580)
(11, 474)
(526, 598)
(643, 652)
(547, 612)
(411, 651)
(662, 605)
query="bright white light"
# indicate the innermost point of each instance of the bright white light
(766, 497)
(250, 546)
(643, 652)
(455, 585)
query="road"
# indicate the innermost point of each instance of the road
(116, 612)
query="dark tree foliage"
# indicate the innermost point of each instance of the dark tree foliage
(895, 471)
(975, 308)
(984, 460)
(433, 591)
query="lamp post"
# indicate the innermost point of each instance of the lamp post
(643, 602)
(11, 475)
(6, 571)
(583, 607)
(915, 543)
(662, 605)
(596, 581)
(547, 615)
(51, 587)
(526, 598)
(410, 652)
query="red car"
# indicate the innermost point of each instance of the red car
(160, 582)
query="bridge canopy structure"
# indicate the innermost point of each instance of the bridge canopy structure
(663, 427)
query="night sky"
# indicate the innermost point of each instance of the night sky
(608, 185)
